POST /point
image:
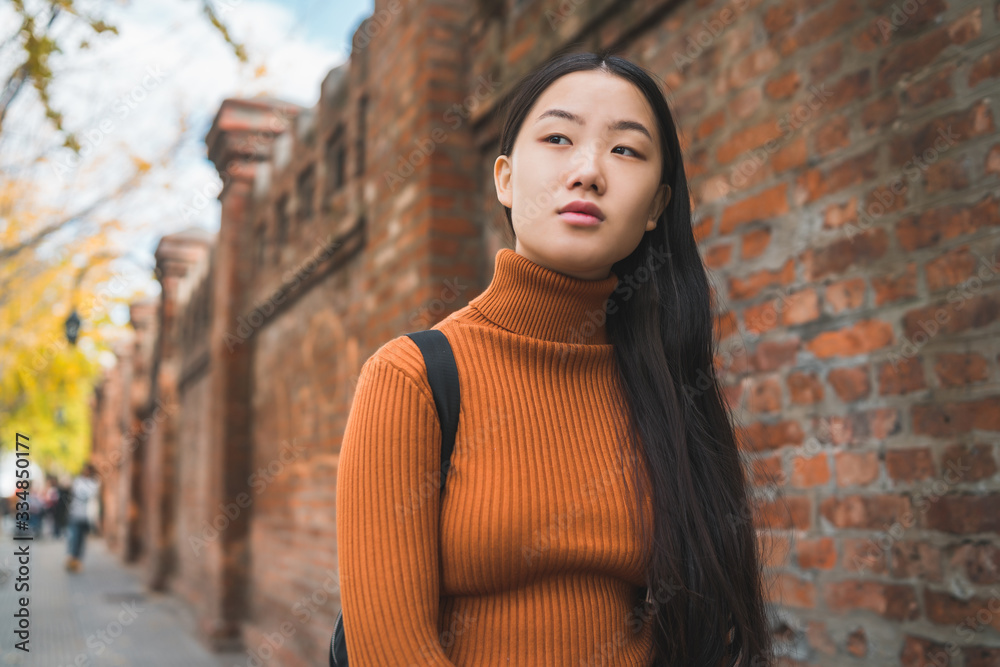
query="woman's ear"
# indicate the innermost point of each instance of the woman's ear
(501, 179)
(660, 202)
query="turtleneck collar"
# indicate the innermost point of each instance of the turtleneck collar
(531, 300)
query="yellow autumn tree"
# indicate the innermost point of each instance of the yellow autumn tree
(46, 382)
(54, 259)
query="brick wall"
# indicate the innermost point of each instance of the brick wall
(843, 160)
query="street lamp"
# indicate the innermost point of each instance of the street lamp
(72, 327)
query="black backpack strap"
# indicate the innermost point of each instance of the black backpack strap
(442, 373)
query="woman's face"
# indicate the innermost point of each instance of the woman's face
(556, 160)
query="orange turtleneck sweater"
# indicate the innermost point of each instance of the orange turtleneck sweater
(529, 558)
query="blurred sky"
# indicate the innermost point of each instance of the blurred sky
(126, 94)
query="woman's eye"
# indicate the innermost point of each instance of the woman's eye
(628, 149)
(559, 136)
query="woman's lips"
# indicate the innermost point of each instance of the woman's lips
(580, 219)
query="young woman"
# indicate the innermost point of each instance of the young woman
(596, 511)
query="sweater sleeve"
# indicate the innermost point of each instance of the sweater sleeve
(388, 503)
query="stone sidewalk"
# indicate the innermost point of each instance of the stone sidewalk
(100, 616)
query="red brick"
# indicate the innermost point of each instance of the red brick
(837, 257)
(761, 436)
(819, 182)
(818, 554)
(845, 295)
(771, 355)
(956, 315)
(950, 268)
(819, 638)
(851, 384)
(958, 370)
(792, 154)
(921, 652)
(901, 377)
(746, 68)
(779, 17)
(966, 27)
(986, 67)
(755, 242)
(710, 125)
(944, 608)
(760, 318)
(909, 465)
(767, 471)
(865, 555)
(718, 255)
(832, 136)
(826, 61)
(896, 602)
(891, 288)
(787, 513)
(857, 643)
(943, 134)
(765, 395)
(865, 512)
(860, 338)
(969, 463)
(946, 419)
(915, 559)
(934, 88)
(808, 471)
(746, 102)
(850, 88)
(979, 562)
(935, 226)
(765, 205)
(793, 591)
(856, 468)
(837, 214)
(800, 307)
(993, 161)
(883, 200)
(945, 175)
(879, 113)
(726, 324)
(819, 25)
(750, 286)
(961, 514)
(804, 388)
(703, 229)
(911, 56)
(856, 428)
(775, 549)
(783, 86)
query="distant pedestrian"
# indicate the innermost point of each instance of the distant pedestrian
(60, 511)
(50, 498)
(85, 486)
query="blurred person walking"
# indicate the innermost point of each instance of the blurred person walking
(85, 487)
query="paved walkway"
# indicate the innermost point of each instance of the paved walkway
(100, 616)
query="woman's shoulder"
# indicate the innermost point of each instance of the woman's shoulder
(403, 357)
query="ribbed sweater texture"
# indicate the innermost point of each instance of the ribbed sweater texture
(530, 557)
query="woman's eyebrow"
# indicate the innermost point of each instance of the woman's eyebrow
(616, 125)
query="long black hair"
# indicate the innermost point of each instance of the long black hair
(704, 582)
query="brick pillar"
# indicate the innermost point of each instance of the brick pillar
(137, 381)
(175, 255)
(241, 136)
